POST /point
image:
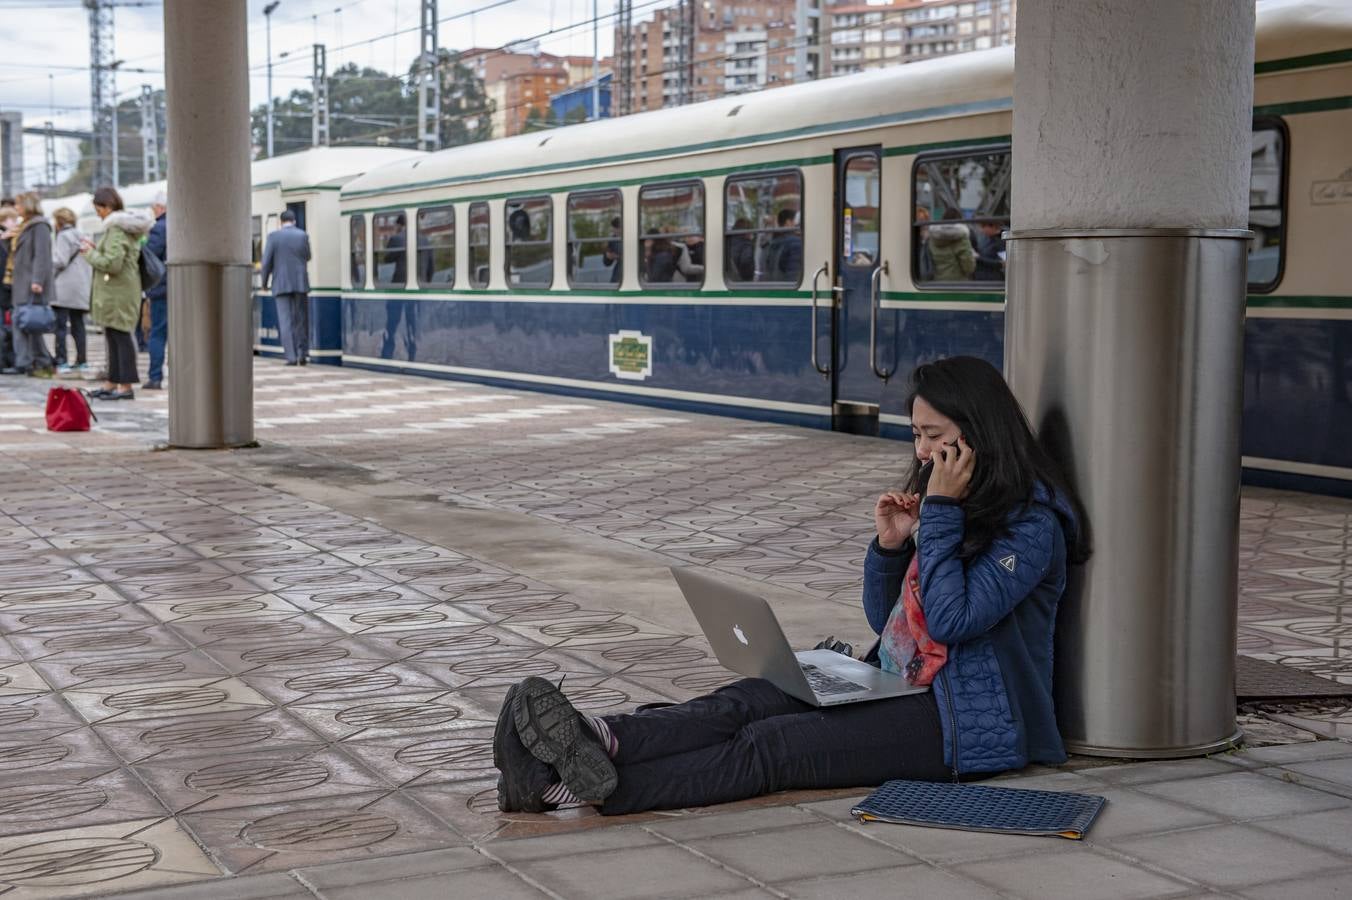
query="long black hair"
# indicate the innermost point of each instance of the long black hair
(1009, 459)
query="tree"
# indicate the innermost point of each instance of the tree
(466, 111)
(366, 106)
(536, 120)
(131, 160)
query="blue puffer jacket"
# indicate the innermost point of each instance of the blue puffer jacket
(996, 613)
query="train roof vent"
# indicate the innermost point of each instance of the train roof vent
(545, 141)
(416, 164)
(735, 110)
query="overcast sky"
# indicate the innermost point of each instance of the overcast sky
(44, 71)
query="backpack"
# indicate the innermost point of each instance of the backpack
(68, 410)
(151, 267)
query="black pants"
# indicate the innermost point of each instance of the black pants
(750, 738)
(75, 318)
(121, 356)
(6, 338)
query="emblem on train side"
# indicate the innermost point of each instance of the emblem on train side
(1335, 190)
(631, 355)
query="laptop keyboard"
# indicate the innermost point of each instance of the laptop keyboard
(826, 684)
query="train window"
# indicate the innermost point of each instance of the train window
(763, 224)
(1267, 201)
(595, 239)
(530, 242)
(860, 215)
(961, 209)
(357, 251)
(391, 249)
(436, 247)
(478, 244)
(671, 224)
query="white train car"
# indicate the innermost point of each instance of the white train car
(307, 183)
(784, 254)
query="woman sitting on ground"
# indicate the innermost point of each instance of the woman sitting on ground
(961, 583)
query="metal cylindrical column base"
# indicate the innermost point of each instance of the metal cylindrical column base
(210, 331)
(1126, 349)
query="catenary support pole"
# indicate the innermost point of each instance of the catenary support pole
(1124, 331)
(207, 102)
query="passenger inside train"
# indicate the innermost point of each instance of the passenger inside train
(961, 584)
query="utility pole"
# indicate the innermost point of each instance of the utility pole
(11, 152)
(624, 21)
(150, 136)
(429, 81)
(319, 132)
(49, 153)
(101, 88)
(267, 15)
(596, 62)
(117, 169)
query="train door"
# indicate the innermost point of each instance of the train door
(856, 383)
(299, 210)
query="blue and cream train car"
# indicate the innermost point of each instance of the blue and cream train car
(307, 183)
(791, 254)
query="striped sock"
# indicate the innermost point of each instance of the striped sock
(603, 734)
(559, 795)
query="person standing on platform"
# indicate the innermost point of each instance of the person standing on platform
(7, 216)
(73, 280)
(29, 272)
(115, 301)
(158, 296)
(284, 265)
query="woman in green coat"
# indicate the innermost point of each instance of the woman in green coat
(115, 300)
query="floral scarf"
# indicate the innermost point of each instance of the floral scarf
(906, 647)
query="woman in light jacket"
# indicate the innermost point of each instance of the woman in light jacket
(73, 280)
(115, 300)
(31, 272)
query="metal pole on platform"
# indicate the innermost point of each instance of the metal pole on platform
(1124, 341)
(210, 319)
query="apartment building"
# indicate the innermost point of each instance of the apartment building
(869, 35)
(700, 49)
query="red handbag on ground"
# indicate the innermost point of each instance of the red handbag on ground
(68, 410)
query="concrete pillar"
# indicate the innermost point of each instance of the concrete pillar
(1124, 334)
(210, 341)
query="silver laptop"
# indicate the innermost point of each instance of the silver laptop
(747, 639)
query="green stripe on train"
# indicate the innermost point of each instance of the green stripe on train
(1292, 301)
(1332, 57)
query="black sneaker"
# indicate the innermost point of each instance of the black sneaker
(554, 733)
(524, 778)
(152, 386)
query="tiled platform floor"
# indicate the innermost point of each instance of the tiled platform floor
(284, 663)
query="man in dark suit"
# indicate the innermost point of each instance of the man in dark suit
(158, 296)
(284, 259)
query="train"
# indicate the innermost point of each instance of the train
(790, 255)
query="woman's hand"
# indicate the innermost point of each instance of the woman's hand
(952, 470)
(895, 516)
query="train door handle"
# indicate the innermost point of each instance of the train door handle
(875, 301)
(824, 371)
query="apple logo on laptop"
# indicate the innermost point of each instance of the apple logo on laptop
(737, 630)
